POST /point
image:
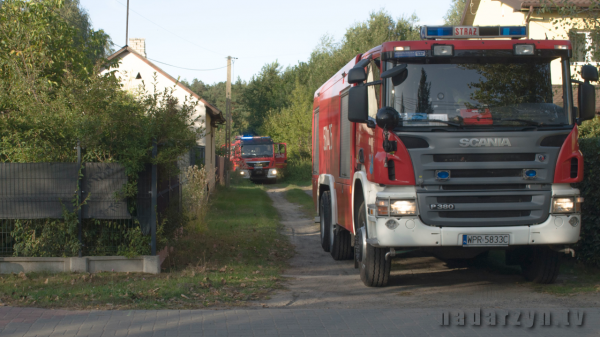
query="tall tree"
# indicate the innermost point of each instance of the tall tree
(454, 13)
(423, 94)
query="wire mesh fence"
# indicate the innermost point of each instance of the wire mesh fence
(35, 196)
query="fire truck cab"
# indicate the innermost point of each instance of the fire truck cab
(258, 158)
(453, 145)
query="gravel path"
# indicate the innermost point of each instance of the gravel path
(315, 280)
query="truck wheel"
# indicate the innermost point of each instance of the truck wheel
(325, 212)
(541, 264)
(374, 268)
(341, 246)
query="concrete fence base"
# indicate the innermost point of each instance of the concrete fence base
(88, 264)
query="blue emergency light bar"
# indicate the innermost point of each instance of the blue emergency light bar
(470, 32)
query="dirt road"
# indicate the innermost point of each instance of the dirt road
(315, 280)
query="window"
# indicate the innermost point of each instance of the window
(345, 155)
(584, 46)
(374, 90)
(316, 133)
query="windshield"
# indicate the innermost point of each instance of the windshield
(477, 94)
(251, 151)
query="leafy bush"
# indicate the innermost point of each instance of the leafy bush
(298, 169)
(588, 248)
(47, 237)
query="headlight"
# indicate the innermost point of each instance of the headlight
(396, 207)
(274, 171)
(563, 205)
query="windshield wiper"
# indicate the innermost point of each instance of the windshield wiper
(436, 120)
(525, 121)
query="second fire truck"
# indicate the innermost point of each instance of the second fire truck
(258, 158)
(453, 145)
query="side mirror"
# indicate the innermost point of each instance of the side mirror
(358, 108)
(589, 73)
(398, 74)
(587, 100)
(357, 75)
(388, 118)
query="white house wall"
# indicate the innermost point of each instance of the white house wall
(495, 13)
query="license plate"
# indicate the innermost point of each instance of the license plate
(485, 239)
(258, 171)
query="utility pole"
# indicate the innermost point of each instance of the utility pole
(228, 121)
(127, 26)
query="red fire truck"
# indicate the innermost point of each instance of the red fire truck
(453, 145)
(258, 158)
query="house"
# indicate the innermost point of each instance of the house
(135, 69)
(540, 26)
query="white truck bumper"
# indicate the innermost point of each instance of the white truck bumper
(411, 232)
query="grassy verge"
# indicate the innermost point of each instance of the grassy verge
(237, 257)
(298, 196)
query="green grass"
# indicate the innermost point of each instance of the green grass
(298, 196)
(236, 258)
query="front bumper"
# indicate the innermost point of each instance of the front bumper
(268, 174)
(411, 232)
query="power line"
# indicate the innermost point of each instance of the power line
(170, 65)
(183, 67)
(212, 51)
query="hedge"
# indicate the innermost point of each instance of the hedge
(588, 248)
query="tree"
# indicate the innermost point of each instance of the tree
(423, 94)
(454, 13)
(52, 95)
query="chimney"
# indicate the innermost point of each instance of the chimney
(139, 45)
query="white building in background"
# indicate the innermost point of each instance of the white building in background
(135, 69)
(540, 26)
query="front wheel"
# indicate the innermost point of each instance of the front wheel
(325, 220)
(374, 268)
(540, 264)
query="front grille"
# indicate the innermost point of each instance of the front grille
(263, 164)
(485, 157)
(484, 209)
(483, 214)
(486, 173)
(483, 199)
(476, 187)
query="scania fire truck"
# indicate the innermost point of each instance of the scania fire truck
(258, 158)
(453, 145)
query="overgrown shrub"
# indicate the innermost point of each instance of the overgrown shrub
(298, 169)
(588, 248)
(47, 237)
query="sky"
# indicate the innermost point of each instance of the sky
(200, 35)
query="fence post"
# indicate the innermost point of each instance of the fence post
(80, 195)
(154, 199)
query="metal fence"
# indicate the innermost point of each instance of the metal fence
(37, 193)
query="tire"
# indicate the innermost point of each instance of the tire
(541, 265)
(374, 268)
(325, 220)
(341, 244)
